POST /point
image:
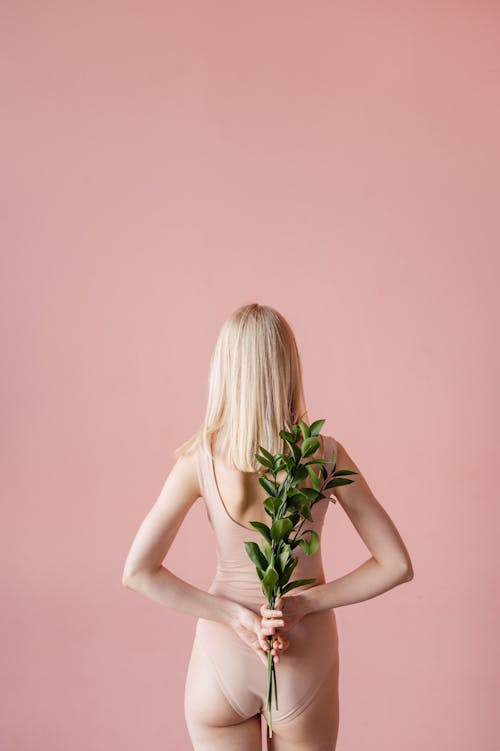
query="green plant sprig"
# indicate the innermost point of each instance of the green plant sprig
(289, 507)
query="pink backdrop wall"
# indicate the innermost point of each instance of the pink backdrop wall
(162, 164)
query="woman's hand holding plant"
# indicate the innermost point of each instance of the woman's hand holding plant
(253, 632)
(291, 610)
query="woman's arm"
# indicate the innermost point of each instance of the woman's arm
(144, 572)
(389, 564)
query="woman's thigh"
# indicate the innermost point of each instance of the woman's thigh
(315, 728)
(213, 724)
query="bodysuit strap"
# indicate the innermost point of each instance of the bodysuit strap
(204, 478)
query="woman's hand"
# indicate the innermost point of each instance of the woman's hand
(288, 611)
(247, 625)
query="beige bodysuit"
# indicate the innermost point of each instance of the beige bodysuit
(313, 649)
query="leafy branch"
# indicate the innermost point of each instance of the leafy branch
(289, 505)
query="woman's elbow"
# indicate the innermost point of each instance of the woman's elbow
(407, 572)
(129, 579)
(133, 578)
(399, 569)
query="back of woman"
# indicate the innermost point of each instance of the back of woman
(255, 391)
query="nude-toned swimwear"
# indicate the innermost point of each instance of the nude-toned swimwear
(313, 649)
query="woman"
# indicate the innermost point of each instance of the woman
(255, 389)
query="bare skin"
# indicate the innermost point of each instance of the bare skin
(144, 572)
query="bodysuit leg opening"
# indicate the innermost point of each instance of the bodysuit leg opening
(304, 702)
(229, 697)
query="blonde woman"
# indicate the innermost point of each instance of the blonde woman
(255, 389)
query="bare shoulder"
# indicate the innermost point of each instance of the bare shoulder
(357, 492)
(184, 475)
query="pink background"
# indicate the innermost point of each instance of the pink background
(163, 163)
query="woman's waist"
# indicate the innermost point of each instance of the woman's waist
(238, 588)
(243, 570)
(247, 589)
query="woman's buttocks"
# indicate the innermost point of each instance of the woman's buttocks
(312, 652)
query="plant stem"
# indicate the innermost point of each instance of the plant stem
(270, 675)
(298, 530)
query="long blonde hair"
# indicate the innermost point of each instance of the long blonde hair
(255, 388)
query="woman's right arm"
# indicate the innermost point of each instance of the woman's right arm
(143, 571)
(389, 564)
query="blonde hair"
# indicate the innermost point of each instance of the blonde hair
(255, 388)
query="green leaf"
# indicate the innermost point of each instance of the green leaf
(267, 550)
(310, 546)
(288, 569)
(269, 485)
(264, 461)
(291, 441)
(294, 504)
(304, 429)
(316, 426)
(314, 478)
(309, 493)
(316, 461)
(284, 462)
(301, 472)
(284, 556)
(338, 481)
(263, 529)
(296, 583)
(309, 446)
(345, 472)
(280, 528)
(272, 505)
(267, 454)
(256, 555)
(269, 581)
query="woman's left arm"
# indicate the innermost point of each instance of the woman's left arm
(389, 564)
(371, 520)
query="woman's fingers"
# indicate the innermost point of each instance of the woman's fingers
(269, 628)
(280, 643)
(265, 610)
(272, 618)
(262, 640)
